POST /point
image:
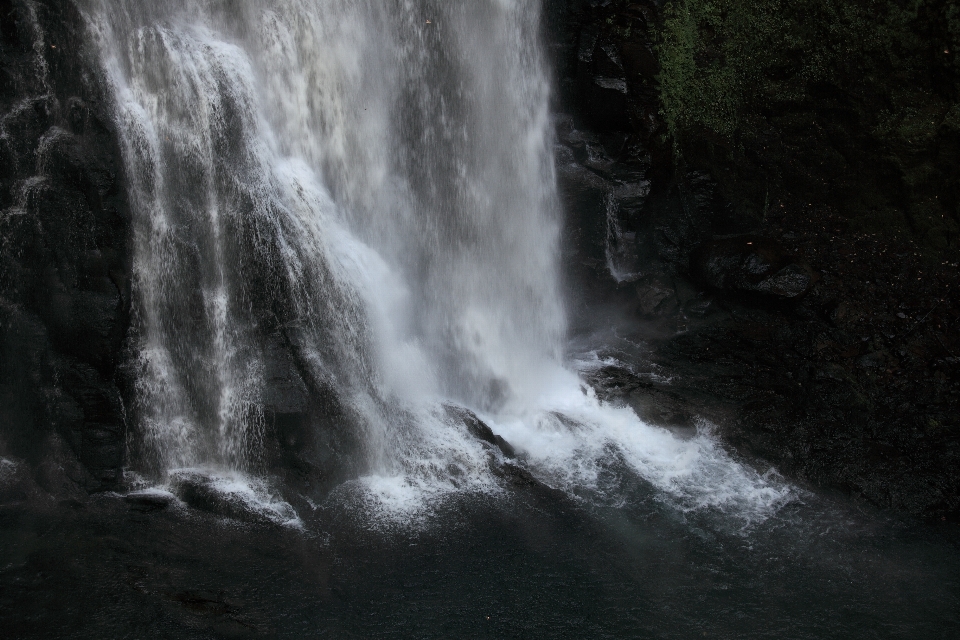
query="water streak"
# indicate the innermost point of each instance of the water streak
(373, 180)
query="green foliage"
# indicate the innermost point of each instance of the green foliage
(706, 62)
(722, 58)
(862, 95)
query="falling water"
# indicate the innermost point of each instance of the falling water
(375, 180)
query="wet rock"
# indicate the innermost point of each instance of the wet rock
(650, 401)
(873, 360)
(15, 485)
(64, 251)
(516, 475)
(60, 473)
(677, 218)
(701, 306)
(218, 496)
(655, 296)
(612, 381)
(840, 390)
(751, 264)
(479, 429)
(149, 500)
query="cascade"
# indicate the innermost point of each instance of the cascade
(373, 182)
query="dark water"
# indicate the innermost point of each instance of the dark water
(530, 565)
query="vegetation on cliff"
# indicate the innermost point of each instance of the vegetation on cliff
(854, 103)
(830, 128)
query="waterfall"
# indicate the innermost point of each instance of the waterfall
(374, 180)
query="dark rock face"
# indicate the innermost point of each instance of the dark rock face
(64, 231)
(839, 367)
(751, 264)
(606, 64)
(479, 429)
(653, 401)
(655, 296)
(634, 216)
(308, 440)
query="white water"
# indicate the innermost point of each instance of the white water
(381, 173)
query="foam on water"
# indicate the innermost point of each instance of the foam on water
(572, 441)
(435, 460)
(570, 438)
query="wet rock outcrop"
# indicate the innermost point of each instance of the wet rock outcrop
(635, 216)
(751, 264)
(64, 250)
(224, 497)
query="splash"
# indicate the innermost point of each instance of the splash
(374, 181)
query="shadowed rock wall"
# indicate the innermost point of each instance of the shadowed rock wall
(64, 252)
(744, 254)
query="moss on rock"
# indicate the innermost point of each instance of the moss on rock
(852, 103)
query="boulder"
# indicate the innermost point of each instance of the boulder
(650, 401)
(751, 264)
(230, 497)
(655, 296)
(149, 500)
(479, 429)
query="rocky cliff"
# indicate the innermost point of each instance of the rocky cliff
(732, 223)
(65, 258)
